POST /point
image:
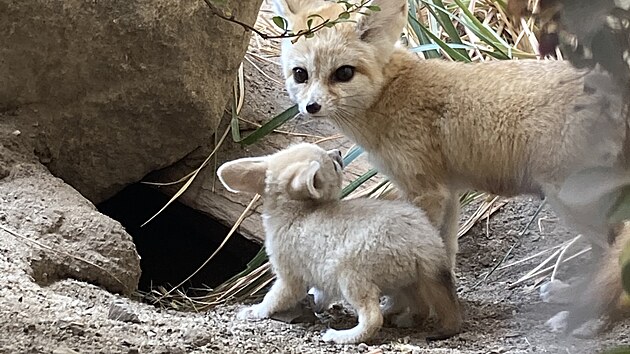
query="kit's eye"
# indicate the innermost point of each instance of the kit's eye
(344, 73)
(300, 75)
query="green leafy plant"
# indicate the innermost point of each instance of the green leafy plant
(361, 8)
(310, 30)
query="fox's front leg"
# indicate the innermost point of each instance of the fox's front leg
(441, 206)
(283, 295)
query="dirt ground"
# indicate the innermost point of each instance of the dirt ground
(71, 316)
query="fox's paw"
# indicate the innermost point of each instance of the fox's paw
(590, 329)
(558, 323)
(555, 292)
(404, 320)
(388, 306)
(253, 312)
(347, 336)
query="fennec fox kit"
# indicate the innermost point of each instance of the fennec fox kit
(353, 249)
(435, 127)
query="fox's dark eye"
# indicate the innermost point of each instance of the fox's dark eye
(344, 73)
(300, 75)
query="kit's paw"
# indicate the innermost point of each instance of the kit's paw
(253, 312)
(346, 336)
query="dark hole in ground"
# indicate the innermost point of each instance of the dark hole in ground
(178, 241)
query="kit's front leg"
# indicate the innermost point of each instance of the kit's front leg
(283, 295)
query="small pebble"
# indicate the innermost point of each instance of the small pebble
(120, 311)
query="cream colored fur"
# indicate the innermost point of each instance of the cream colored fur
(354, 249)
(436, 128)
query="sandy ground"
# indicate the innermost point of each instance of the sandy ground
(71, 316)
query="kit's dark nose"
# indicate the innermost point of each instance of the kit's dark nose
(336, 155)
(313, 108)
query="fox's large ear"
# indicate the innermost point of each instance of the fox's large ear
(283, 8)
(383, 27)
(244, 175)
(303, 183)
(288, 9)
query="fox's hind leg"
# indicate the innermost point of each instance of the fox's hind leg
(439, 290)
(363, 296)
(448, 228)
(405, 310)
(396, 301)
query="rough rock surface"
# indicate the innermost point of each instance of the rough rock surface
(60, 233)
(112, 90)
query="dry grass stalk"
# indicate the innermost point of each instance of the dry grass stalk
(484, 211)
(546, 271)
(229, 235)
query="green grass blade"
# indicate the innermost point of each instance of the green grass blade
(352, 154)
(620, 350)
(415, 26)
(482, 31)
(378, 186)
(502, 50)
(468, 197)
(455, 55)
(235, 127)
(358, 182)
(445, 21)
(259, 259)
(268, 127)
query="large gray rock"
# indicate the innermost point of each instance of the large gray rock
(61, 233)
(111, 90)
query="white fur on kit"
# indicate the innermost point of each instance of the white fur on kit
(353, 249)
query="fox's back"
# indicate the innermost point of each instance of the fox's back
(497, 125)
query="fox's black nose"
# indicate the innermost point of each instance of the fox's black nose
(313, 108)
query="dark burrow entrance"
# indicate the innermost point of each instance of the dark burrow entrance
(178, 241)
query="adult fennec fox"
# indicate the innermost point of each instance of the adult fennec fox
(436, 128)
(355, 249)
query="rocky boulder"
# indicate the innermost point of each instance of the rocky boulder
(60, 233)
(109, 91)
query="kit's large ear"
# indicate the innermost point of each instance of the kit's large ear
(383, 27)
(244, 175)
(303, 183)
